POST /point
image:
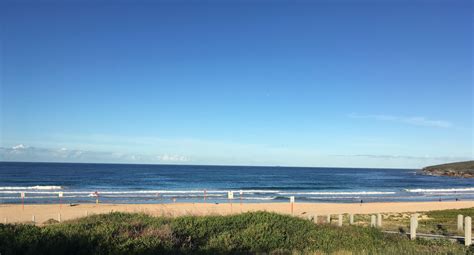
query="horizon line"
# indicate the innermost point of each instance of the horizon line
(212, 165)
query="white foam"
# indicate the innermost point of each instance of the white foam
(28, 192)
(257, 198)
(447, 193)
(32, 188)
(340, 193)
(115, 192)
(195, 192)
(439, 190)
(333, 197)
(253, 191)
(208, 195)
(25, 197)
(159, 192)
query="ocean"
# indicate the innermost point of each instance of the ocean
(126, 183)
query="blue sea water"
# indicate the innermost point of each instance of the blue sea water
(125, 183)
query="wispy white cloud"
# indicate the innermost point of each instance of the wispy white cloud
(22, 152)
(413, 120)
(199, 151)
(406, 157)
(19, 147)
(172, 158)
(39, 154)
(356, 152)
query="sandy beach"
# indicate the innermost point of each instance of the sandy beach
(15, 213)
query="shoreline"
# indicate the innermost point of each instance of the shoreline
(14, 213)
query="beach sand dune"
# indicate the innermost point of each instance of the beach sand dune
(15, 213)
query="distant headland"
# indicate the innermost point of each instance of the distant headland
(458, 169)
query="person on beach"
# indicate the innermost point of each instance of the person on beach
(96, 194)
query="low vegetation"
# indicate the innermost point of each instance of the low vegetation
(442, 222)
(248, 233)
(459, 169)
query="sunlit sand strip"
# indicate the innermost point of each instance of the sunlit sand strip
(15, 213)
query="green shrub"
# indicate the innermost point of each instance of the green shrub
(259, 232)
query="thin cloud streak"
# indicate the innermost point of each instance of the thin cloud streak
(26, 153)
(382, 156)
(22, 153)
(414, 120)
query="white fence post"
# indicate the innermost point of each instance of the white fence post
(5, 220)
(292, 203)
(417, 215)
(339, 220)
(351, 219)
(59, 217)
(315, 219)
(467, 231)
(413, 226)
(379, 220)
(328, 219)
(33, 219)
(372, 220)
(460, 222)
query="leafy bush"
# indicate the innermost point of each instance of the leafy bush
(259, 232)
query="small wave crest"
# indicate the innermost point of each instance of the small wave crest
(32, 188)
(439, 190)
(258, 198)
(341, 193)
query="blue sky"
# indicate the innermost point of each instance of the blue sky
(305, 83)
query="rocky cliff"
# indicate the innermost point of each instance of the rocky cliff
(459, 169)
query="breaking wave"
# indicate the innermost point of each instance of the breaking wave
(32, 188)
(439, 190)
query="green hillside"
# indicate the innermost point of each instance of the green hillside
(458, 169)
